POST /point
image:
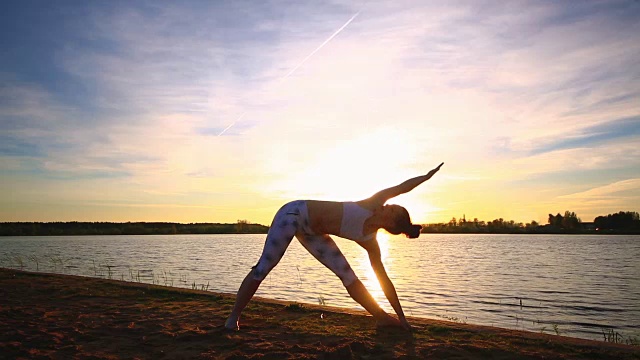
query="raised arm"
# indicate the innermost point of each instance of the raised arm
(381, 197)
(373, 249)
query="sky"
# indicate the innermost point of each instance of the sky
(216, 111)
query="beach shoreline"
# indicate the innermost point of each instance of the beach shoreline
(57, 316)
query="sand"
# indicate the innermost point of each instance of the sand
(55, 316)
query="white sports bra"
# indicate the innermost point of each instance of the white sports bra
(353, 218)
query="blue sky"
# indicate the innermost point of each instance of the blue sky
(218, 111)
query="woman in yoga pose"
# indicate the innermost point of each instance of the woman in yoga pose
(313, 221)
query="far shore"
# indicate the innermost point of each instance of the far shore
(75, 228)
(64, 316)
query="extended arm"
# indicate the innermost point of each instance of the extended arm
(382, 196)
(373, 249)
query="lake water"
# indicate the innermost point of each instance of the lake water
(576, 285)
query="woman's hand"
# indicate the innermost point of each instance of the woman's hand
(405, 324)
(381, 197)
(434, 171)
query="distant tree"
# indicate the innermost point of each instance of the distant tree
(555, 221)
(241, 226)
(496, 225)
(532, 226)
(623, 220)
(570, 221)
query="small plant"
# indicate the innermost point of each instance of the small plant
(615, 337)
(53, 262)
(295, 307)
(610, 336)
(635, 341)
(556, 329)
(35, 260)
(61, 261)
(439, 330)
(454, 319)
(299, 277)
(95, 269)
(109, 272)
(19, 261)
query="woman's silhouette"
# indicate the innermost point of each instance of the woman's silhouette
(311, 222)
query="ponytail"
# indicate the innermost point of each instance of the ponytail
(413, 231)
(403, 225)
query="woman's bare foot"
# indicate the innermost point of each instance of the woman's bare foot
(232, 323)
(388, 321)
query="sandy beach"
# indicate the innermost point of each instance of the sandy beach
(50, 316)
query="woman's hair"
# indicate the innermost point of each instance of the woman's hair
(402, 224)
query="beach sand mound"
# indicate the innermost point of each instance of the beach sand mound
(69, 317)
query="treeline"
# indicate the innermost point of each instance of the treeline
(128, 228)
(623, 222)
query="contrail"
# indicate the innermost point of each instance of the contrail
(233, 123)
(322, 45)
(303, 61)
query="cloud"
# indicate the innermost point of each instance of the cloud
(10, 146)
(603, 132)
(603, 156)
(616, 189)
(622, 195)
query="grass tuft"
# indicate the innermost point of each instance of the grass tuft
(295, 307)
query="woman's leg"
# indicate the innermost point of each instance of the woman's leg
(282, 230)
(248, 287)
(323, 248)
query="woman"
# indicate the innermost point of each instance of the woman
(313, 221)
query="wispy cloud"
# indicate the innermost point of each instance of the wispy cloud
(591, 135)
(616, 189)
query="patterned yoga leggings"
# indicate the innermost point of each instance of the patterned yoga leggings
(293, 220)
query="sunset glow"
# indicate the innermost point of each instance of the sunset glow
(216, 111)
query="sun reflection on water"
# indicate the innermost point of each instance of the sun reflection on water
(369, 278)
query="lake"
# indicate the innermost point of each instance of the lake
(574, 285)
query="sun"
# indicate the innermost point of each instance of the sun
(420, 208)
(351, 169)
